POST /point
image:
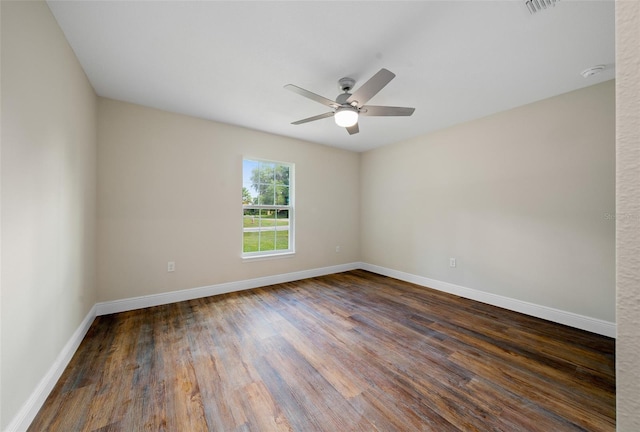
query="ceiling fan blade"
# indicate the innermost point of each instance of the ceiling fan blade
(310, 119)
(353, 129)
(374, 110)
(371, 87)
(312, 96)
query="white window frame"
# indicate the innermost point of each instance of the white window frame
(290, 207)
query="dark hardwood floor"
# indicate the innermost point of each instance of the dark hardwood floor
(347, 352)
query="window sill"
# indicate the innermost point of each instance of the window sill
(268, 256)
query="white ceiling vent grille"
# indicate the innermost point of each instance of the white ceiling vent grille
(535, 6)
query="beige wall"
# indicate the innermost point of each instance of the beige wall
(48, 198)
(170, 190)
(628, 214)
(524, 200)
(521, 223)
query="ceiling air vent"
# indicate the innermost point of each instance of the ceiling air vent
(539, 5)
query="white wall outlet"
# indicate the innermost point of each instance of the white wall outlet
(171, 266)
(452, 262)
(337, 248)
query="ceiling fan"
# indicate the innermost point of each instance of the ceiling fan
(348, 107)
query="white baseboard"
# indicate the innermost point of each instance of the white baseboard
(133, 303)
(563, 317)
(571, 319)
(30, 408)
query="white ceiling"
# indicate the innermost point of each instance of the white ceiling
(229, 60)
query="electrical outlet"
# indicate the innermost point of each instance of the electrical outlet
(452, 262)
(337, 248)
(171, 266)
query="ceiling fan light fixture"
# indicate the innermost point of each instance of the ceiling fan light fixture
(346, 116)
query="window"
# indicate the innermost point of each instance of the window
(267, 208)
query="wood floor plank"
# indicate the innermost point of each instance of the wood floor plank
(346, 352)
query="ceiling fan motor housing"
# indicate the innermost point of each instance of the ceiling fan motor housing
(342, 98)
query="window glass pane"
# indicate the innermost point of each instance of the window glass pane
(283, 217)
(265, 183)
(268, 240)
(282, 195)
(265, 194)
(282, 175)
(249, 188)
(265, 176)
(266, 229)
(251, 233)
(249, 218)
(282, 240)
